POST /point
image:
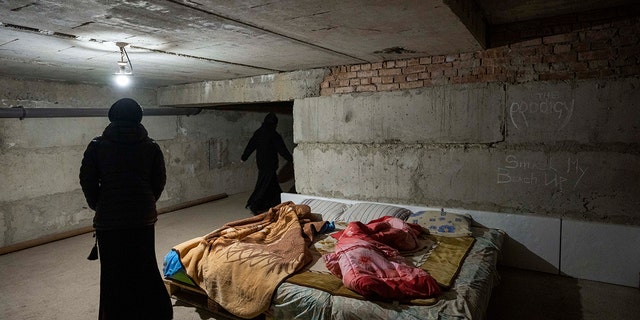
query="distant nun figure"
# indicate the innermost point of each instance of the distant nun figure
(268, 144)
(122, 176)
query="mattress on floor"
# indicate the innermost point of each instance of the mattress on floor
(468, 297)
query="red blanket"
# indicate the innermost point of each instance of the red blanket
(368, 261)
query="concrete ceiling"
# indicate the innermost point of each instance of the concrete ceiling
(183, 41)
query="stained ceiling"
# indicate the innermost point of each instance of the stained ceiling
(182, 41)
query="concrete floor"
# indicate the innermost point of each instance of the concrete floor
(56, 281)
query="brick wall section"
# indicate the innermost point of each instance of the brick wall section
(603, 51)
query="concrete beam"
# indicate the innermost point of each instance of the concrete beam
(273, 87)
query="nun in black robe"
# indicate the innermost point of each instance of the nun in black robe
(268, 144)
(122, 176)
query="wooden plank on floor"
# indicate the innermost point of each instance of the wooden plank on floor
(199, 299)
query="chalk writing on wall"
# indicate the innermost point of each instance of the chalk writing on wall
(557, 174)
(548, 107)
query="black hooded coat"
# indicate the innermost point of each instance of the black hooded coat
(268, 144)
(122, 176)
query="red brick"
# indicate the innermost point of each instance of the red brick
(437, 59)
(579, 66)
(413, 62)
(564, 57)
(344, 90)
(630, 70)
(464, 72)
(495, 52)
(598, 64)
(561, 48)
(390, 72)
(401, 63)
(450, 72)
(387, 79)
(467, 56)
(601, 34)
(632, 52)
(464, 79)
(423, 75)
(436, 74)
(425, 60)
(580, 47)
(354, 82)
(555, 76)
(600, 44)
(465, 64)
(541, 67)
(388, 87)
(594, 55)
(478, 70)
(413, 77)
(367, 74)
(366, 66)
(414, 69)
(354, 68)
(376, 65)
(400, 78)
(589, 74)
(324, 84)
(566, 37)
(558, 66)
(411, 85)
(532, 42)
(376, 80)
(526, 60)
(438, 67)
(347, 75)
(624, 40)
(366, 88)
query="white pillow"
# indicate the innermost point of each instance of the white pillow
(443, 223)
(330, 210)
(365, 212)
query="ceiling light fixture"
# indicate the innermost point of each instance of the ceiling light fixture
(124, 74)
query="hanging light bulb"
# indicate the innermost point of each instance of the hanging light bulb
(123, 74)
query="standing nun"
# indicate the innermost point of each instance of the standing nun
(267, 143)
(122, 176)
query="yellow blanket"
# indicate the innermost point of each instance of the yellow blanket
(240, 264)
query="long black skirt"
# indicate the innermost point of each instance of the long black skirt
(131, 286)
(266, 193)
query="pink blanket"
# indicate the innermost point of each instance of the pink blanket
(368, 261)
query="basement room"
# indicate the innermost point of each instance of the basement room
(433, 159)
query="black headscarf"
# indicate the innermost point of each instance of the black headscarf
(270, 121)
(125, 109)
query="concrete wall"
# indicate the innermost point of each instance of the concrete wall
(547, 148)
(547, 125)
(40, 158)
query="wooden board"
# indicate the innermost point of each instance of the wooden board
(199, 299)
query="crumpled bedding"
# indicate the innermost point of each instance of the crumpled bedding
(367, 259)
(240, 264)
(467, 298)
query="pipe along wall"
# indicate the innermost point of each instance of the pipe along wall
(22, 113)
